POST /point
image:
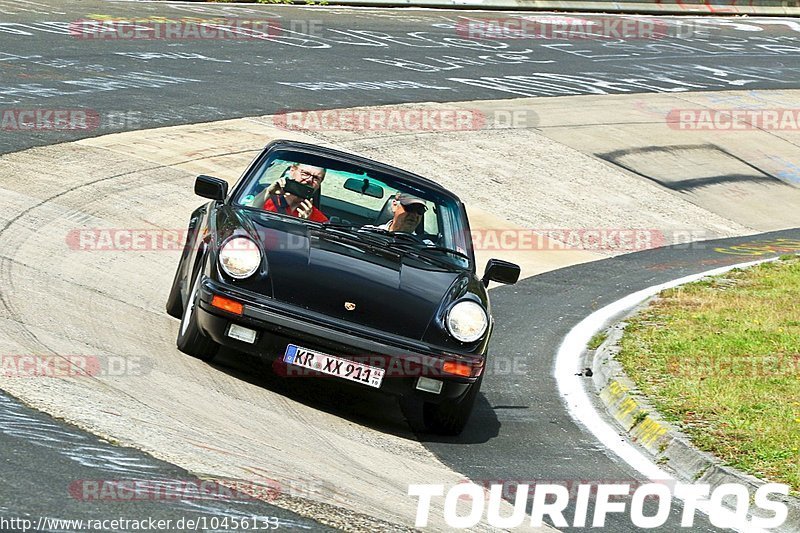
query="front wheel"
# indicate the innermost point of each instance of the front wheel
(191, 340)
(451, 416)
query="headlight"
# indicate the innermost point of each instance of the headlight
(240, 257)
(467, 321)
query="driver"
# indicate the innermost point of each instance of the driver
(407, 213)
(275, 199)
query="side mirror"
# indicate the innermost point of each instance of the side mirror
(210, 187)
(501, 272)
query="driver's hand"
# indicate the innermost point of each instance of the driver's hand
(277, 187)
(305, 208)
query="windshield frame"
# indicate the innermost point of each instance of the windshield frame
(335, 160)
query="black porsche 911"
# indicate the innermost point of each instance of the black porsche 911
(336, 265)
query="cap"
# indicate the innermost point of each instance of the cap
(407, 200)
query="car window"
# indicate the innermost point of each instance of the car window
(352, 198)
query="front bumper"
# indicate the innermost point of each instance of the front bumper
(278, 324)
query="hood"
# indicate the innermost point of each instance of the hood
(348, 278)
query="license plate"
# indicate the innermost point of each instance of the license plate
(333, 366)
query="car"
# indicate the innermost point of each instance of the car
(345, 298)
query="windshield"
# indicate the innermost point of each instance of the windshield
(412, 217)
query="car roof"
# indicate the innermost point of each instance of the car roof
(369, 164)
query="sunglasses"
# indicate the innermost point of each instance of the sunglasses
(415, 208)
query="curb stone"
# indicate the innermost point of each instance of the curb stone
(666, 444)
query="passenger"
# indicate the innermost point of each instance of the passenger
(407, 213)
(275, 199)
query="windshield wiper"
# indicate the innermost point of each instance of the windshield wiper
(397, 236)
(353, 232)
(410, 238)
(371, 234)
(419, 249)
(375, 229)
(338, 225)
(445, 249)
(407, 241)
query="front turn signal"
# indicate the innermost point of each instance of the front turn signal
(226, 304)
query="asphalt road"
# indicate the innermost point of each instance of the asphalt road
(55, 475)
(53, 58)
(329, 58)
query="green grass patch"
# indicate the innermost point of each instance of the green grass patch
(598, 339)
(721, 359)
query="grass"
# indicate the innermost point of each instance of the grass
(598, 339)
(721, 358)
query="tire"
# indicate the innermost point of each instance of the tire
(451, 416)
(174, 300)
(191, 340)
(174, 304)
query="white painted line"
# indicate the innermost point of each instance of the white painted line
(570, 386)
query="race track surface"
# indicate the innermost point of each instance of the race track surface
(331, 58)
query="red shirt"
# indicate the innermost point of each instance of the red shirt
(315, 216)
